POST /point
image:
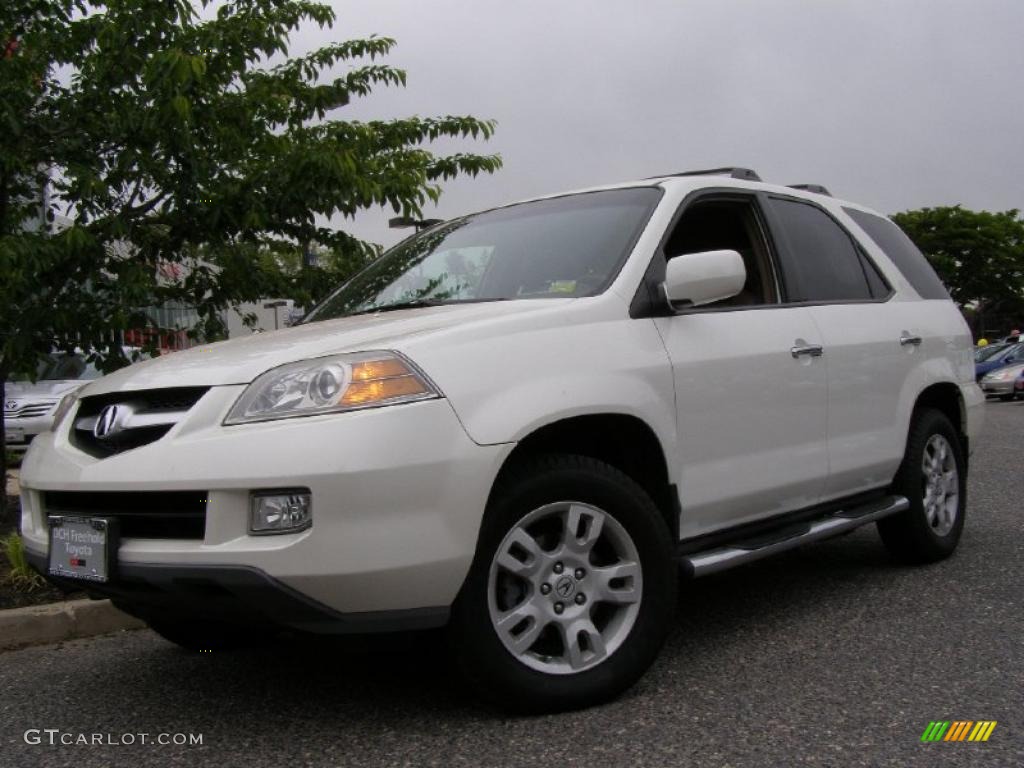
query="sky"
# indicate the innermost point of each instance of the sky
(895, 104)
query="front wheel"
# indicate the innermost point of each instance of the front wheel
(933, 478)
(572, 589)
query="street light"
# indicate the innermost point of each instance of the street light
(274, 305)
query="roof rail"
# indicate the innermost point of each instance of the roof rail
(737, 173)
(816, 188)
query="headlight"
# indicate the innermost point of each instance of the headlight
(329, 384)
(64, 407)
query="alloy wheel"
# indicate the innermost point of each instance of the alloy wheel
(941, 481)
(565, 587)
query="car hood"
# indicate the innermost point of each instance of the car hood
(980, 369)
(47, 389)
(240, 360)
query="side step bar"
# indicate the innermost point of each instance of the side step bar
(790, 537)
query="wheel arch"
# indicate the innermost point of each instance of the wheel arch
(623, 441)
(947, 398)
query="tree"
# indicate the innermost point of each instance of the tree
(176, 136)
(978, 254)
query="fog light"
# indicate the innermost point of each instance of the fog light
(280, 511)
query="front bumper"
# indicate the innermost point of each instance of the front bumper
(236, 594)
(18, 433)
(398, 497)
(998, 387)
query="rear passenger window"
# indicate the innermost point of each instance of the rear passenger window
(902, 252)
(879, 288)
(820, 261)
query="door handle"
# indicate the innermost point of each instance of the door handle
(909, 339)
(806, 350)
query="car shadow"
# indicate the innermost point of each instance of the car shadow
(388, 680)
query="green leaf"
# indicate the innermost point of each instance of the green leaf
(174, 138)
(181, 106)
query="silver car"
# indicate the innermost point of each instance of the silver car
(1004, 383)
(29, 406)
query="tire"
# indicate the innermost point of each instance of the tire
(619, 623)
(200, 636)
(930, 528)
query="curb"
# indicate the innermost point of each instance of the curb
(56, 622)
(13, 484)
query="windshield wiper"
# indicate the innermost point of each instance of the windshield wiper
(414, 304)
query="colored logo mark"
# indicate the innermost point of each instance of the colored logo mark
(958, 730)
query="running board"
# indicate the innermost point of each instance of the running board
(790, 537)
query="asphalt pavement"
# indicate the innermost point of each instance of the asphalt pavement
(828, 656)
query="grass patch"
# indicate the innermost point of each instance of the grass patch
(14, 458)
(21, 575)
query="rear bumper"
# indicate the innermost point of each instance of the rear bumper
(237, 594)
(974, 413)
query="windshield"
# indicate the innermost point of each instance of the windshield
(984, 353)
(563, 247)
(1010, 352)
(67, 367)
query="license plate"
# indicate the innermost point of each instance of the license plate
(14, 435)
(82, 547)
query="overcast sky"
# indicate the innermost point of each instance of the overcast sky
(893, 103)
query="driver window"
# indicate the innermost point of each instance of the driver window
(728, 224)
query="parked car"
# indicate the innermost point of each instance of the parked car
(525, 425)
(1006, 383)
(984, 353)
(29, 407)
(1012, 353)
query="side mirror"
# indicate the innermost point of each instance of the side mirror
(695, 279)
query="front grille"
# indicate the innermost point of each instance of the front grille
(153, 413)
(30, 410)
(140, 514)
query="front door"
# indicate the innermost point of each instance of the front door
(751, 387)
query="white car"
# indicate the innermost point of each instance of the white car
(526, 424)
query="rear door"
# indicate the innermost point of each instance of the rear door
(870, 346)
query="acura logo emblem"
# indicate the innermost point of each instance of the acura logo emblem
(565, 586)
(107, 425)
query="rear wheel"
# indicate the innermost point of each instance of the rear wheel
(572, 589)
(933, 478)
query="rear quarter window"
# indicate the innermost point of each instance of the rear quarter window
(902, 252)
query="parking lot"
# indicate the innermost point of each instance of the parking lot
(828, 656)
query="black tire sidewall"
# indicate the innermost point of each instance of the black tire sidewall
(503, 679)
(909, 534)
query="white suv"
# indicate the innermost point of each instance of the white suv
(526, 424)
